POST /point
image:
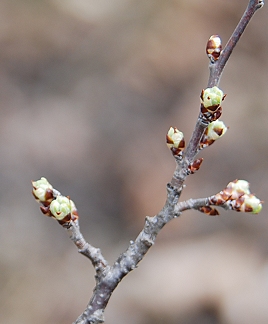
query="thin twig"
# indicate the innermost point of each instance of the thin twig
(89, 251)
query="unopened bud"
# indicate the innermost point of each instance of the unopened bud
(61, 207)
(175, 140)
(211, 100)
(237, 188)
(252, 204)
(214, 131)
(247, 203)
(211, 97)
(42, 190)
(214, 48)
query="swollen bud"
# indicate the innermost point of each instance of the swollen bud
(42, 190)
(61, 208)
(237, 196)
(214, 48)
(252, 204)
(211, 99)
(238, 188)
(214, 131)
(175, 140)
(247, 203)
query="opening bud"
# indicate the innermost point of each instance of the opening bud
(175, 140)
(42, 190)
(214, 48)
(61, 208)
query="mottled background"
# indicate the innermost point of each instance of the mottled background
(88, 90)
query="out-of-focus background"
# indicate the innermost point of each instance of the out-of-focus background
(88, 90)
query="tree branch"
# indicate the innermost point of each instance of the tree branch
(235, 196)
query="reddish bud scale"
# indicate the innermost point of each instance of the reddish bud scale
(211, 113)
(67, 219)
(195, 165)
(208, 210)
(220, 198)
(46, 210)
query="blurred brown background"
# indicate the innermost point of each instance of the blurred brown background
(88, 91)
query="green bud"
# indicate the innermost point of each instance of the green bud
(175, 140)
(212, 97)
(61, 207)
(239, 185)
(251, 204)
(215, 130)
(42, 189)
(237, 188)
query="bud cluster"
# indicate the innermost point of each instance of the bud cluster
(53, 203)
(211, 99)
(236, 196)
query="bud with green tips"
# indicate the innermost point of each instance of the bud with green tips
(238, 188)
(247, 203)
(252, 204)
(211, 100)
(61, 208)
(214, 131)
(211, 97)
(175, 140)
(43, 191)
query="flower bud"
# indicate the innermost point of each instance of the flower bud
(252, 204)
(247, 203)
(175, 140)
(211, 98)
(214, 131)
(214, 48)
(42, 190)
(61, 208)
(237, 188)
